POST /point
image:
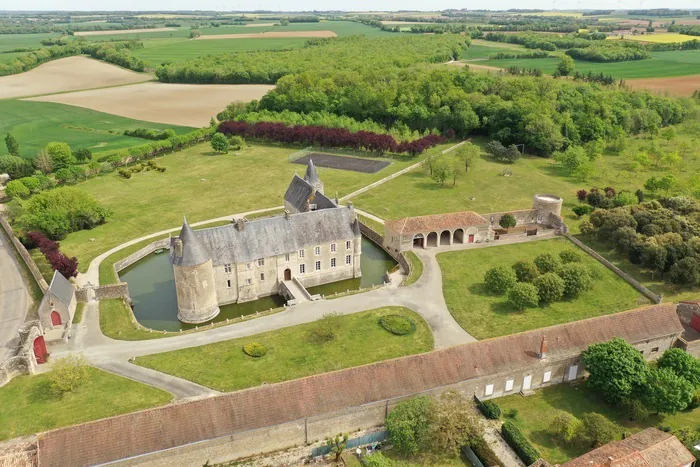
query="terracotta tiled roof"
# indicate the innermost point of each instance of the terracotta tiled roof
(648, 448)
(174, 425)
(436, 222)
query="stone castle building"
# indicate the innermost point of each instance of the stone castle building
(315, 242)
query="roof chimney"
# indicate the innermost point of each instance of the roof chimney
(543, 348)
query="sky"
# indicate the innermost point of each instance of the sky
(352, 5)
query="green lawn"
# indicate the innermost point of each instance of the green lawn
(537, 412)
(29, 406)
(117, 322)
(42, 263)
(34, 124)
(484, 315)
(202, 186)
(416, 268)
(290, 353)
(79, 311)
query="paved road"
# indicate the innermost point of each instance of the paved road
(14, 298)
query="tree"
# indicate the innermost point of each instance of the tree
(595, 430)
(570, 256)
(501, 153)
(442, 171)
(685, 272)
(666, 183)
(467, 154)
(566, 66)
(682, 364)
(83, 154)
(93, 168)
(668, 133)
(452, 423)
(33, 184)
(616, 370)
(525, 271)
(550, 287)
(69, 373)
(499, 279)
(43, 162)
(575, 160)
(667, 392)
(547, 262)
(577, 279)
(194, 33)
(12, 145)
(61, 154)
(219, 143)
(507, 221)
(408, 424)
(523, 295)
(564, 427)
(337, 445)
(15, 167)
(17, 189)
(64, 175)
(582, 209)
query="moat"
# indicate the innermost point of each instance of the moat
(152, 289)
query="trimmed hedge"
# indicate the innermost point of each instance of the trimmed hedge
(397, 324)
(255, 349)
(490, 409)
(519, 443)
(484, 453)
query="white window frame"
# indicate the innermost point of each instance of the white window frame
(488, 390)
(333, 262)
(547, 376)
(302, 269)
(348, 245)
(334, 247)
(317, 250)
(317, 266)
(261, 262)
(348, 259)
(301, 253)
(509, 384)
(227, 267)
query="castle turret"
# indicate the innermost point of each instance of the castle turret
(312, 177)
(194, 277)
(357, 247)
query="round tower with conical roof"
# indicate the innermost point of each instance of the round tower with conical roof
(194, 277)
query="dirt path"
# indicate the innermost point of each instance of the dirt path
(263, 35)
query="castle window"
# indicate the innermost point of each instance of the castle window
(509, 385)
(262, 277)
(348, 244)
(318, 265)
(654, 350)
(227, 268)
(301, 253)
(286, 257)
(261, 262)
(302, 268)
(348, 259)
(228, 283)
(333, 248)
(249, 281)
(317, 250)
(249, 265)
(332, 262)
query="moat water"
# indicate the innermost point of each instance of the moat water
(152, 289)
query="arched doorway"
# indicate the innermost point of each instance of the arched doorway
(432, 240)
(40, 351)
(55, 318)
(288, 274)
(418, 241)
(445, 238)
(458, 236)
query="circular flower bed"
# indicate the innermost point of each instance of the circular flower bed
(397, 324)
(255, 349)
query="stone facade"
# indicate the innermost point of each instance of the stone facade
(24, 361)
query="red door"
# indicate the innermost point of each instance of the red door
(695, 322)
(40, 349)
(55, 318)
(471, 239)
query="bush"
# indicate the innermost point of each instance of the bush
(397, 324)
(219, 143)
(577, 279)
(507, 221)
(519, 443)
(325, 329)
(408, 425)
(523, 295)
(484, 453)
(525, 271)
(376, 459)
(82, 154)
(501, 153)
(550, 287)
(582, 209)
(255, 349)
(587, 228)
(68, 267)
(595, 430)
(547, 262)
(17, 189)
(236, 142)
(500, 279)
(564, 427)
(124, 173)
(68, 374)
(490, 409)
(512, 413)
(570, 256)
(147, 133)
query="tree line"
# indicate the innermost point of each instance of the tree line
(607, 52)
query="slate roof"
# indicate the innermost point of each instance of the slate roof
(436, 222)
(194, 252)
(648, 448)
(277, 235)
(189, 422)
(312, 174)
(61, 289)
(298, 192)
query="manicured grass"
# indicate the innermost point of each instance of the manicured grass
(485, 315)
(42, 263)
(29, 406)
(416, 268)
(537, 412)
(372, 224)
(117, 322)
(79, 310)
(291, 355)
(34, 124)
(202, 186)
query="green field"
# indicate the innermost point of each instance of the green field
(291, 354)
(536, 413)
(202, 186)
(485, 315)
(660, 65)
(13, 41)
(29, 405)
(34, 124)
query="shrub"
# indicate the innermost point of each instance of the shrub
(68, 267)
(512, 413)
(500, 279)
(15, 167)
(69, 373)
(564, 427)
(408, 424)
(17, 189)
(577, 279)
(570, 256)
(483, 452)
(582, 209)
(523, 295)
(636, 410)
(376, 459)
(525, 271)
(255, 349)
(550, 287)
(587, 228)
(61, 154)
(547, 262)
(219, 143)
(397, 324)
(490, 409)
(325, 329)
(236, 142)
(595, 430)
(83, 154)
(507, 221)
(519, 443)
(581, 195)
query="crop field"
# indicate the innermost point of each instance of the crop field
(483, 49)
(681, 86)
(176, 104)
(270, 34)
(663, 38)
(14, 41)
(67, 74)
(117, 32)
(35, 124)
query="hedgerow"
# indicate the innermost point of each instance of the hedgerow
(519, 443)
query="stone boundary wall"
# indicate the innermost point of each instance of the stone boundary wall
(142, 253)
(378, 240)
(24, 362)
(13, 366)
(26, 257)
(626, 277)
(21, 452)
(105, 292)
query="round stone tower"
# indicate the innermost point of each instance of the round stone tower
(194, 278)
(546, 204)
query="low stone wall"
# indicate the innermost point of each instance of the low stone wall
(523, 216)
(626, 277)
(20, 452)
(23, 362)
(13, 366)
(105, 292)
(142, 253)
(81, 295)
(26, 257)
(378, 240)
